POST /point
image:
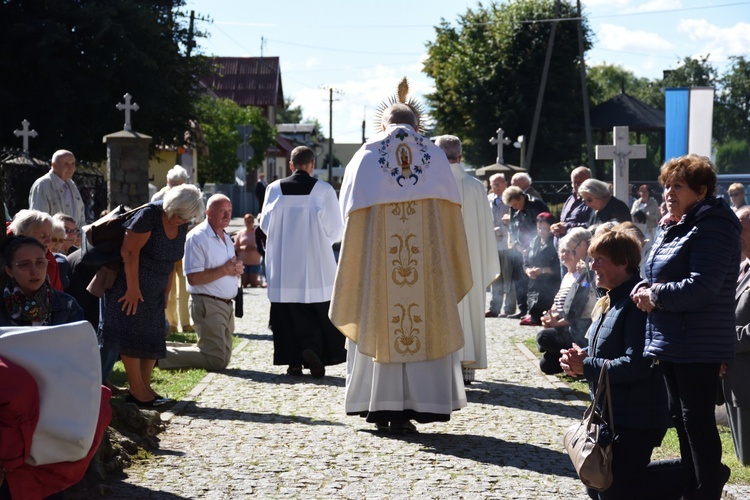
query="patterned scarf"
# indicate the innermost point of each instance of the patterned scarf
(24, 310)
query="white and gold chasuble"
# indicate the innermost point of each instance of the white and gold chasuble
(404, 263)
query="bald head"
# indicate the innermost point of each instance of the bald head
(399, 113)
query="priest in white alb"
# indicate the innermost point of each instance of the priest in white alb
(485, 265)
(403, 268)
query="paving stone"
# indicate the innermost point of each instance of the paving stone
(254, 432)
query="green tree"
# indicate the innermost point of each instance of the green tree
(733, 157)
(734, 98)
(219, 119)
(605, 81)
(67, 63)
(487, 71)
(289, 114)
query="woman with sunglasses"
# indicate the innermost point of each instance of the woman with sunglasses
(569, 318)
(604, 207)
(28, 297)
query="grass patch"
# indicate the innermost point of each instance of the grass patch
(670, 446)
(175, 384)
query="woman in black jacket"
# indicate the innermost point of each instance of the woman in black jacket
(28, 298)
(639, 398)
(691, 279)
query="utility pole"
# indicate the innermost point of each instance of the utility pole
(543, 84)
(191, 36)
(331, 90)
(585, 96)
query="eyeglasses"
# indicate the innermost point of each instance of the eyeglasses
(57, 240)
(588, 200)
(571, 251)
(27, 265)
(69, 230)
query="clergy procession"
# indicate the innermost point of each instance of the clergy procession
(217, 300)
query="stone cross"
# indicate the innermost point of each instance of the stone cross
(500, 141)
(621, 153)
(25, 133)
(127, 107)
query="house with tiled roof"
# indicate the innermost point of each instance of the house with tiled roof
(248, 81)
(252, 81)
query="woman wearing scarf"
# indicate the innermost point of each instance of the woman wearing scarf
(28, 298)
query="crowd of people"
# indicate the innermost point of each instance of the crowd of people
(655, 290)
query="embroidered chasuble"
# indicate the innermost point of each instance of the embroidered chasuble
(404, 264)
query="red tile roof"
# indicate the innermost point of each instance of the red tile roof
(248, 81)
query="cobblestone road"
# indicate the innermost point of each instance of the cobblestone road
(253, 432)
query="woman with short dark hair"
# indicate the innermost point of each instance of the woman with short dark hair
(691, 279)
(639, 399)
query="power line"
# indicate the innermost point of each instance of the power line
(344, 50)
(630, 14)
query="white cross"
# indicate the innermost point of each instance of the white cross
(500, 143)
(25, 133)
(127, 107)
(621, 153)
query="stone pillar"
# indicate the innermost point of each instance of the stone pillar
(127, 168)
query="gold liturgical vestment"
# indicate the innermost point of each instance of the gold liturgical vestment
(403, 268)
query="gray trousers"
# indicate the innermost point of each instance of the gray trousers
(502, 287)
(214, 325)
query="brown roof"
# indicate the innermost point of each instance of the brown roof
(248, 81)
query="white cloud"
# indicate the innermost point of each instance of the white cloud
(656, 6)
(606, 3)
(718, 42)
(361, 93)
(312, 62)
(615, 37)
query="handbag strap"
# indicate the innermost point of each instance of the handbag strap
(602, 392)
(605, 387)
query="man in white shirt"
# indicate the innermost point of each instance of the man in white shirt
(302, 221)
(212, 270)
(55, 191)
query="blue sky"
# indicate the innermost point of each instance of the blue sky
(362, 49)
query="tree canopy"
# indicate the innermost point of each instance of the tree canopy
(487, 72)
(219, 119)
(66, 63)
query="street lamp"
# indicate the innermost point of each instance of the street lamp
(521, 144)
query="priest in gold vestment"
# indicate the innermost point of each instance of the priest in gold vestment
(403, 268)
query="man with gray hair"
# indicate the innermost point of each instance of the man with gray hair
(501, 289)
(522, 180)
(403, 269)
(485, 265)
(575, 212)
(176, 176)
(55, 191)
(212, 270)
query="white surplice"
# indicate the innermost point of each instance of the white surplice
(295, 272)
(485, 265)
